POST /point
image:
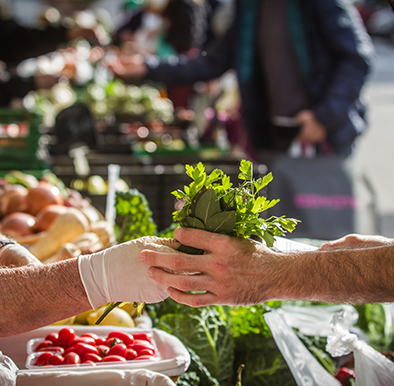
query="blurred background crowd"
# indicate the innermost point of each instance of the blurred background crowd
(217, 79)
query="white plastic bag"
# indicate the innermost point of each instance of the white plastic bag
(371, 367)
(305, 368)
(8, 371)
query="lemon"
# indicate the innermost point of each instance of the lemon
(131, 310)
(65, 322)
(117, 317)
(82, 317)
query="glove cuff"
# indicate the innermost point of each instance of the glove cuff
(93, 279)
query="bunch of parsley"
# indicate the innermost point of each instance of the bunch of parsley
(212, 203)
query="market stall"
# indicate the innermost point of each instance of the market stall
(94, 162)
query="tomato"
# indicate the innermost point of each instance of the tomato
(66, 336)
(42, 360)
(52, 349)
(89, 335)
(72, 358)
(55, 360)
(82, 348)
(53, 337)
(119, 349)
(103, 350)
(123, 336)
(100, 341)
(144, 357)
(112, 341)
(131, 354)
(67, 350)
(83, 339)
(140, 345)
(113, 358)
(146, 351)
(91, 357)
(143, 336)
(90, 363)
(44, 344)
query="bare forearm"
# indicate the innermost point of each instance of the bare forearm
(364, 275)
(35, 296)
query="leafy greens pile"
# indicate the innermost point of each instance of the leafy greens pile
(212, 203)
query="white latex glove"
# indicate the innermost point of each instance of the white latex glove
(116, 274)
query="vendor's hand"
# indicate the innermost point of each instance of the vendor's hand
(116, 274)
(232, 270)
(128, 67)
(355, 241)
(312, 131)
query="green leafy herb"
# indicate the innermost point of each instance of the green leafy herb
(212, 203)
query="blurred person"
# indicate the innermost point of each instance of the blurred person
(304, 60)
(36, 294)
(18, 43)
(165, 28)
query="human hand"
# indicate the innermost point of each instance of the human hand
(93, 35)
(355, 241)
(312, 131)
(116, 274)
(45, 82)
(128, 66)
(232, 270)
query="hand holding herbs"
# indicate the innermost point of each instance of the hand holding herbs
(212, 203)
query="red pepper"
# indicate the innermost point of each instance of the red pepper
(346, 376)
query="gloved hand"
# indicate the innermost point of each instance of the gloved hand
(116, 274)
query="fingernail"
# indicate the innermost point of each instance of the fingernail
(142, 256)
(150, 274)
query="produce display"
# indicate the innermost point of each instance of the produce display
(53, 222)
(66, 348)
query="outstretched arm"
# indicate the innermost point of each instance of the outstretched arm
(37, 295)
(238, 271)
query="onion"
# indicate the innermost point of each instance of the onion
(46, 216)
(17, 224)
(14, 201)
(43, 195)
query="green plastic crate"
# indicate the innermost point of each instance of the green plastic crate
(20, 140)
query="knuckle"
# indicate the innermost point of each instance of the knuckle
(176, 263)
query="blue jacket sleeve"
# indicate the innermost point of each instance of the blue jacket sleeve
(353, 53)
(208, 65)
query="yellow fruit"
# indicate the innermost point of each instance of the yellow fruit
(116, 317)
(82, 318)
(131, 310)
(66, 322)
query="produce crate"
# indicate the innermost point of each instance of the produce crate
(20, 141)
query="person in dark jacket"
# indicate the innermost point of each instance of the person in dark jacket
(18, 43)
(302, 59)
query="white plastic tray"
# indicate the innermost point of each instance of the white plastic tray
(132, 364)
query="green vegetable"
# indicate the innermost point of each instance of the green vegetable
(213, 204)
(264, 364)
(375, 320)
(205, 330)
(133, 216)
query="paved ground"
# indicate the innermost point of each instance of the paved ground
(375, 152)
